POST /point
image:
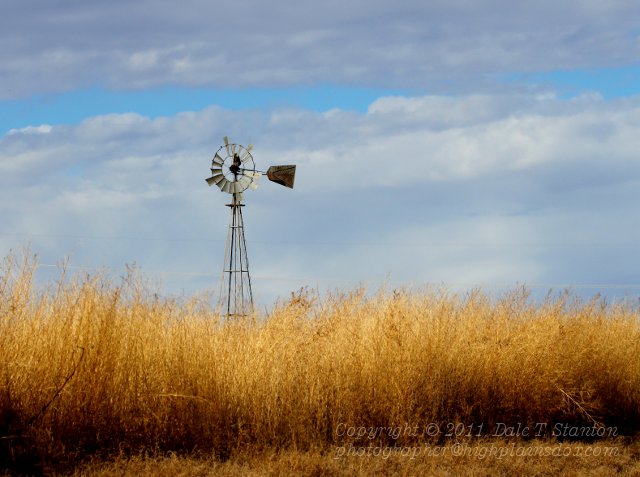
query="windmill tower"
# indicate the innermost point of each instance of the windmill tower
(233, 170)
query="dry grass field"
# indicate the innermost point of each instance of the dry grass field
(100, 376)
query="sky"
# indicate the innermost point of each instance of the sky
(456, 144)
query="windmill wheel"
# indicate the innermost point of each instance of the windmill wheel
(233, 169)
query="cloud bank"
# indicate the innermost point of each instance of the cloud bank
(487, 190)
(436, 46)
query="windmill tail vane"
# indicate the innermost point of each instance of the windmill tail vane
(283, 175)
(233, 170)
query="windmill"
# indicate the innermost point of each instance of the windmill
(233, 170)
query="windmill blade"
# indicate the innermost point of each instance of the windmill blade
(215, 178)
(226, 145)
(246, 154)
(283, 175)
(252, 175)
(217, 160)
(221, 181)
(226, 186)
(244, 181)
(250, 179)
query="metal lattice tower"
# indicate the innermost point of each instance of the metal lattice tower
(234, 171)
(236, 296)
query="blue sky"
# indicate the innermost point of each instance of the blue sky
(73, 106)
(450, 144)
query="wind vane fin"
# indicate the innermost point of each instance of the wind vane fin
(283, 175)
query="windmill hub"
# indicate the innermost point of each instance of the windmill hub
(233, 170)
(235, 167)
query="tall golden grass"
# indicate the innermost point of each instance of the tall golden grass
(94, 365)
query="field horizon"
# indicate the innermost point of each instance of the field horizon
(96, 371)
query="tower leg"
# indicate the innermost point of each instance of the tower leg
(236, 296)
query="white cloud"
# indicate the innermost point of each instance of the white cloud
(42, 129)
